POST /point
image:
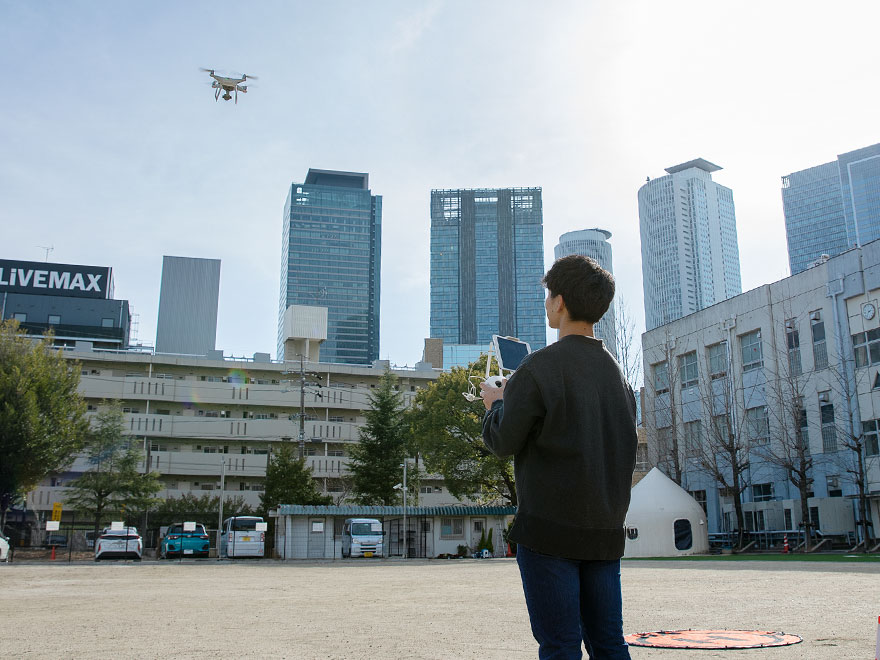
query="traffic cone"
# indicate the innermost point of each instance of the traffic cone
(785, 548)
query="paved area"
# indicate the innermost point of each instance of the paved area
(415, 609)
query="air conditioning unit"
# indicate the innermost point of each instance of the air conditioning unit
(816, 316)
(824, 397)
(789, 325)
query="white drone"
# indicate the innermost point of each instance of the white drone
(228, 86)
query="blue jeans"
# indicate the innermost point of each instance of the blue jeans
(571, 600)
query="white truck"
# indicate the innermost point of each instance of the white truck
(363, 537)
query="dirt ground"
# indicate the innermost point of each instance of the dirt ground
(414, 609)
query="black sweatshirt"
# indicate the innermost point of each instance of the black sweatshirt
(569, 419)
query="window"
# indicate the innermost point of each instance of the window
(803, 435)
(54, 319)
(820, 352)
(661, 378)
(752, 356)
(21, 317)
(762, 492)
(829, 432)
(870, 431)
(107, 323)
(793, 342)
(693, 437)
(866, 346)
(451, 528)
(684, 538)
(758, 425)
(832, 481)
(336, 418)
(718, 360)
(720, 429)
(687, 368)
(426, 489)
(700, 497)
(664, 445)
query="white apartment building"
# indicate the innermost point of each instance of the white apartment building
(200, 417)
(690, 255)
(797, 359)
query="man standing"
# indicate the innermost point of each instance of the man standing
(568, 417)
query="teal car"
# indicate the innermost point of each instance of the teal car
(178, 542)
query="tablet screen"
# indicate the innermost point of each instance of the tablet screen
(510, 352)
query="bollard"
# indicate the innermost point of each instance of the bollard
(877, 648)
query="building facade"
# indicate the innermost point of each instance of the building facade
(487, 261)
(593, 243)
(832, 207)
(779, 381)
(75, 302)
(188, 300)
(199, 417)
(690, 254)
(331, 257)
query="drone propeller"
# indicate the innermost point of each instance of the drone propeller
(211, 71)
(247, 77)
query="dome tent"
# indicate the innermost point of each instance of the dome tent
(663, 520)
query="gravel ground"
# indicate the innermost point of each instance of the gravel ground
(415, 609)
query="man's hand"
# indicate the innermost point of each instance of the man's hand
(491, 394)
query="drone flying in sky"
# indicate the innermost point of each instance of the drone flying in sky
(228, 86)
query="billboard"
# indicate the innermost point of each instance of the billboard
(55, 279)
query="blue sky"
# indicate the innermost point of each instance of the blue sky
(113, 150)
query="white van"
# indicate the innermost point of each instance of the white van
(362, 537)
(239, 537)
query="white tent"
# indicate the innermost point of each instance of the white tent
(664, 520)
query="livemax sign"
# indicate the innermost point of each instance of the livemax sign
(55, 279)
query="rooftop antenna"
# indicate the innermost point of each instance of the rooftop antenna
(48, 249)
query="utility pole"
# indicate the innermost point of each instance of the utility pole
(405, 533)
(302, 408)
(148, 445)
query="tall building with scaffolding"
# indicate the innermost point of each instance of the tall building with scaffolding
(330, 257)
(487, 261)
(690, 255)
(593, 243)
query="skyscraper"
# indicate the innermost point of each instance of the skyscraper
(330, 257)
(487, 261)
(690, 256)
(832, 207)
(188, 298)
(593, 243)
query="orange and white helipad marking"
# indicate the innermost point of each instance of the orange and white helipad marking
(711, 639)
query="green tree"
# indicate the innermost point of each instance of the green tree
(289, 481)
(113, 483)
(376, 459)
(201, 509)
(42, 416)
(447, 429)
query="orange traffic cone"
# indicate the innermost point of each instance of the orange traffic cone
(785, 548)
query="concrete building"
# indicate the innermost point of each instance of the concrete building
(74, 301)
(331, 257)
(779, 378)
(593, 243)
(690, 255)
(188, 301)
(195, 413)
(487, 261)
(832, 207)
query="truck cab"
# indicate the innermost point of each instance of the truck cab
(363, 537)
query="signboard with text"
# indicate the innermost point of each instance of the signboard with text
(56, 511)
(55, 279)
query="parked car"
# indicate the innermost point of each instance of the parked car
(179, 542)
(362, 537)
(123, 543)
(57, 540)
(239, 537)
(4, 547)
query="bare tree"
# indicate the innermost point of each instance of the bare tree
(787, 445)
(629, 345)
(662, 426)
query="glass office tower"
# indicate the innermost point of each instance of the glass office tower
(593, 243)
(690, 255)
(330, 257)
(832, 207)
(487, 261)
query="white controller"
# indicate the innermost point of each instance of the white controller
(494, 381)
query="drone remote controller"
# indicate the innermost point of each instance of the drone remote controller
(494, 381)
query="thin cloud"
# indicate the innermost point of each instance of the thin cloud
(410, 29)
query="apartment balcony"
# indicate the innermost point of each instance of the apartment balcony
(225, 428)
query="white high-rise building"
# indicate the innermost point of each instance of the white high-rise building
(188, 300)
(593, 243)
(690, 256)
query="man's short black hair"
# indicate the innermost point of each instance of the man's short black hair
(584, 285)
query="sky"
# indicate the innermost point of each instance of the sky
(114, 153)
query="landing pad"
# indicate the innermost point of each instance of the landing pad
(711, 639)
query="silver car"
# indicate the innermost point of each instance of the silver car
(4, 548)
(123, 543)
